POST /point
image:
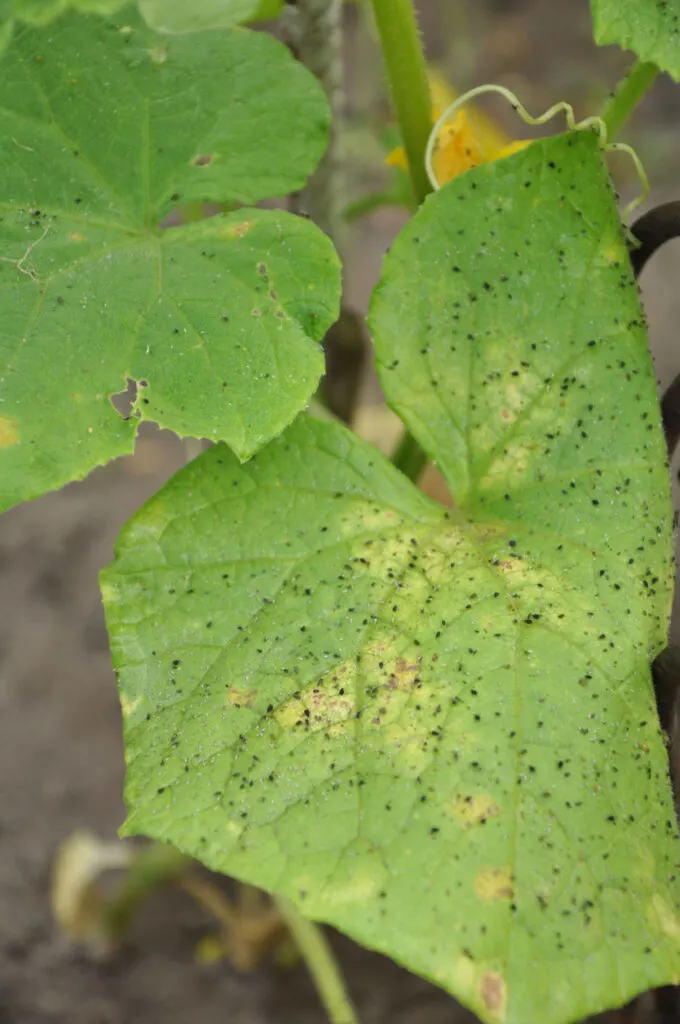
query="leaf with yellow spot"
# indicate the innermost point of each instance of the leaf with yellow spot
(452, 703)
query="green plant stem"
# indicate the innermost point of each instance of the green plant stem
(154, 866)
(627, 95)
(407, 76)
(364, 205)
(320, 961)
(410, 91)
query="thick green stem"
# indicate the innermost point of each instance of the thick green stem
(321, 964)
(410, 91)
(627, 95)
(407, 75)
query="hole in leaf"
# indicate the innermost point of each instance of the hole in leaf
(434, 485)
(187, 213)
(123, 401)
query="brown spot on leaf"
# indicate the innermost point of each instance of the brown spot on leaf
(493, 991)
(404, 675)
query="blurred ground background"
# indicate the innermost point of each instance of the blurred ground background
(61, 759)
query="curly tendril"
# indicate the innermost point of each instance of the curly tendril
(588, 124)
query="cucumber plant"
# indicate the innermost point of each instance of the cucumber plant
(433, 728)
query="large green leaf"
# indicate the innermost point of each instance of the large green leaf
(42, 12)
(651, 28)
(102, 132)
(161, 15)
(181, 16)
(436, 730)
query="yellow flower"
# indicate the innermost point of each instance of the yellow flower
(468, 139)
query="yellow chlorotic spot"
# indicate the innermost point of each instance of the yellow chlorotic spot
(76, 237)
(483, 986)
(330, 702)
(241, 698)
(129, 705)
(494, 884)
(408, 746)
(158, 54)
(360, 889)
(667, 921)
(465, 972)
(475, 810)
(237, 230)
(9, 432)
(612, 253)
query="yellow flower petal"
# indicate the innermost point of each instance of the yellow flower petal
(397, 158)
(442, 93)
(458, 149)
(514, 147)
(468, 139)
(461, 146)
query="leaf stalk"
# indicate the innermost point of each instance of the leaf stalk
(409, 87)
(627, 96)
(410, 91)
(318, 956)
